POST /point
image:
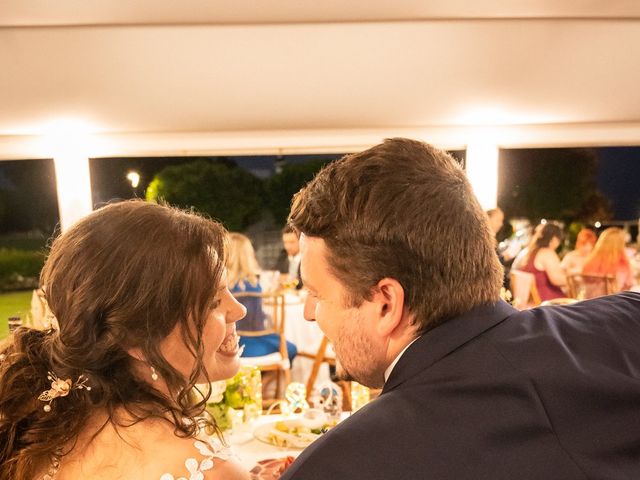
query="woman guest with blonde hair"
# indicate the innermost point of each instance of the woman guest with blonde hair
(609, 258)
(243, 275)
(141, 313)
(574, 260)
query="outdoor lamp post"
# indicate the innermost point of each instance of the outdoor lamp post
(134, 179)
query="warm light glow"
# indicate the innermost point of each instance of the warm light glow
(494, 115)
(597, 224)
(482, 172)
(134, 178)
(74, 188)
(70, 144)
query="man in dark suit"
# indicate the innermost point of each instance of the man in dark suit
(398, 259)
(288, 262)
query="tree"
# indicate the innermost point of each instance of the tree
(284, 185)
(552, 183)
(223, 191)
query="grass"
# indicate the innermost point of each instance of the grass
(12, 304)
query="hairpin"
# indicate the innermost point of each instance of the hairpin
(61, 388)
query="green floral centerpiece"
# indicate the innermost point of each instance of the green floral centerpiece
(237, 400)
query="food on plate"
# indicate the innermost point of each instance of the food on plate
(298, 432)
(271, 468)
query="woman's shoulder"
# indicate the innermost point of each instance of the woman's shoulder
(547, 253)
(199, 458)
(151, 449)
(173, 457)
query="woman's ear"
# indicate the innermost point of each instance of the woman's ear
(389, 300)
(137, 354)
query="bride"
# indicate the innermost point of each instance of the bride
(140, 313)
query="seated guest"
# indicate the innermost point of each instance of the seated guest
(573, 261)
(543, 262)
(471, 388)
(496, 221)
(243, 273)
(521, 258)
(288, 263)
(139, 312)
(609, 258)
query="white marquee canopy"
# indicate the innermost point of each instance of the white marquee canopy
(158, 77)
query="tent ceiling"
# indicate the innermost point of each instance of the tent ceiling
(210, 68)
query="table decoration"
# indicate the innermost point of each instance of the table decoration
(328, 398)
(238, 400)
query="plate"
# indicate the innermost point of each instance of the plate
(268, 433)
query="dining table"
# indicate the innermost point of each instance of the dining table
(249, 450)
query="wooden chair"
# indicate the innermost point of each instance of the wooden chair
(590, 286)
(322, 355)
(524, 290)
(274, 305)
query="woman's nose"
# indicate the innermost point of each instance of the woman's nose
(236, 312)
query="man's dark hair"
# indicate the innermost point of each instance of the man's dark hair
(405, 210)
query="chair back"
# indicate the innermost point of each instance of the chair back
(273, 304)
(583, 286)
(524, 290)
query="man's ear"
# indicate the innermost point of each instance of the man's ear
(389, 299)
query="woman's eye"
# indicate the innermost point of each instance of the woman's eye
(215, 304)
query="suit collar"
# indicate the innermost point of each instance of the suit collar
(445, 338)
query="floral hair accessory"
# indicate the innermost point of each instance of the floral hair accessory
(61, 388)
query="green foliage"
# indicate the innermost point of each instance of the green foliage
(13, 304)
(19, 269)
(224, 192)
(28, 202)
(282, 186)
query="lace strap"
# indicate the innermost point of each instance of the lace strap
(208, 449)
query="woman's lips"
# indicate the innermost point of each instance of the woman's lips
(230, 346)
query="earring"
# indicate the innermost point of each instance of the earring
(154, 375)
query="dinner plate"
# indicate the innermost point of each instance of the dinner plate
(268, 433)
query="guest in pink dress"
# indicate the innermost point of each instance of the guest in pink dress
(543, 262)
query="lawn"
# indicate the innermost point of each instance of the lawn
(11, 304)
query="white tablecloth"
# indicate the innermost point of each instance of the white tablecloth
(250, 450)
(307, 337)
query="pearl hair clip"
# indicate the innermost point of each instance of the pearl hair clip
(61, 388)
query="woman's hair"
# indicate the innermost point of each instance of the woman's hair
(241, 261)
(608, 256)
(586, 236)
(121, 278)
(548, 232)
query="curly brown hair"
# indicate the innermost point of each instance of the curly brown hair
(121, 278)
(405, 210)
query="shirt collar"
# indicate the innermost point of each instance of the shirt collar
(387, 372)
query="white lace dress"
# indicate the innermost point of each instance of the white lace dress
(209, 449)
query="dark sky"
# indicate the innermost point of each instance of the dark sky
(619, 179)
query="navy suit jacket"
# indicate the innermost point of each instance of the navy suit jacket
(551, 393)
